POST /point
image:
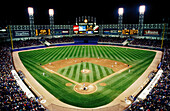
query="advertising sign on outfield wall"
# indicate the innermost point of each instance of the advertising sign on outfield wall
(152, 32)
(21, 33)
(75, 28)
(61, 32)
(110, 31)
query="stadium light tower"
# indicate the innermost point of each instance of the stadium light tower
(51, 17)
(141, 19)
(120, 19)
(31, 18)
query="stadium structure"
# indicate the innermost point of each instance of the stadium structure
(89, 66)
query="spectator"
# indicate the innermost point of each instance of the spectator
(60, 40)
(158, 99)
(11, 95)
(33, 42)
(112, 39)
(147, 42)
(26, 43)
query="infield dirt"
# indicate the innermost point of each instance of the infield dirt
(114, 65)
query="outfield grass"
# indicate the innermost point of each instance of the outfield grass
(139, 59)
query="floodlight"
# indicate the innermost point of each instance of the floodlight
(120, 11)
(85, 21)
(51, 12)
(142, 9)
(30, 11)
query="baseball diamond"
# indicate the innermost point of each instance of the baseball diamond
(83, 56)
(109, 79)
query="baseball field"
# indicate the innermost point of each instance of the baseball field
(86, 76)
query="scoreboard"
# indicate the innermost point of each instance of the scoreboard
(86, 28)
(42, 32)
(133, 32)
(129, 32)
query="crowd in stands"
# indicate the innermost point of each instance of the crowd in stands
(112, 39)
(34, 42)
(12, 98)
(135, 41)
(60, 40)
(147, 42)
(86, 39)
(159, 98)
(26, 43)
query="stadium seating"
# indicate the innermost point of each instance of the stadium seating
(26, 43)
(112, 39)
(147, 42)
(158, 98)
(93, 39)
(35, 42)
(60, 40)
(86, 39)
(11, 95)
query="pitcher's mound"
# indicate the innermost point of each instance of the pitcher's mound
(85, 88)
(85, 71)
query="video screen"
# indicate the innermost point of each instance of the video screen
(85, 29)
(82, 28)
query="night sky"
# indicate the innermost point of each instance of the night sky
(15, 11)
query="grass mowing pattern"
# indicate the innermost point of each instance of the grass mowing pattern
(139, 59)
(74, 72)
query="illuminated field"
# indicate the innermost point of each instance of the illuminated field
(115, 85)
